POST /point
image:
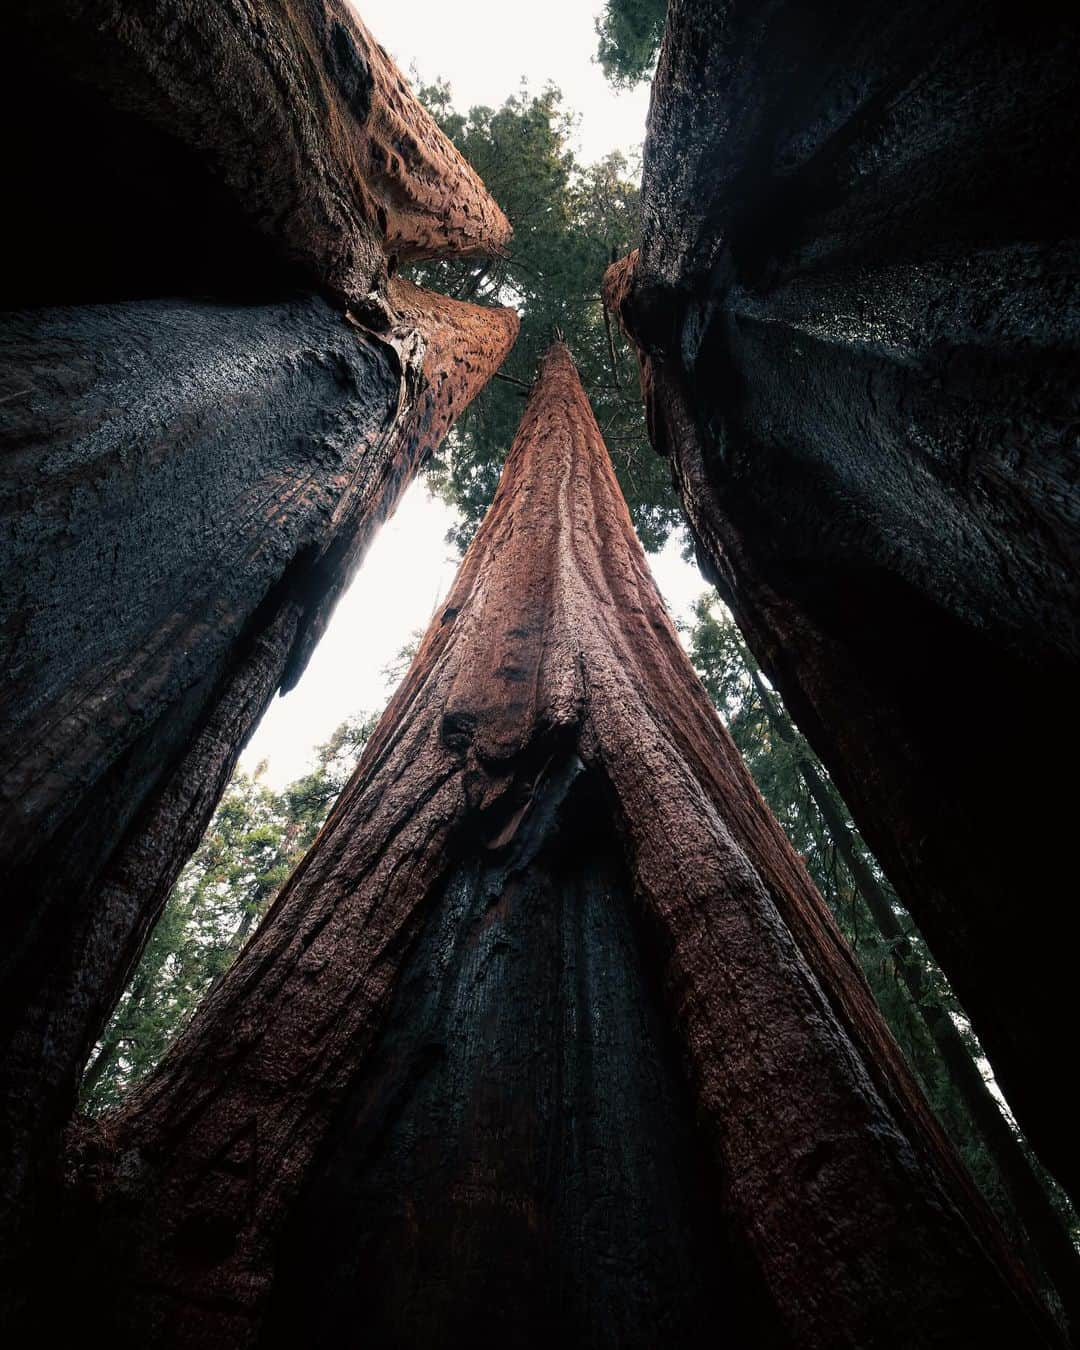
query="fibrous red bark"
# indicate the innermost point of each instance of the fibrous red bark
(301, 1099)
(194, 463)
(212, 136)
(857, 308)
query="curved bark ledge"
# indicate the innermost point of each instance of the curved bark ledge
(188, 488)
(553, 656)
(857, 304)
(284, 119)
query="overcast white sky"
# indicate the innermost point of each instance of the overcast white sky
(483, 48)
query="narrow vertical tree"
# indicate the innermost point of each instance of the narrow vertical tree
(255, 839)
(215, 392)
(549, 1035)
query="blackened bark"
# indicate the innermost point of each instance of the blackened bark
(857, 305)
(518, 1164)
(858, 1223)
(188, 488)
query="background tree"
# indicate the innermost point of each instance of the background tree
(569, 221)
(630, 33)
(256, 838)
(920, 1007)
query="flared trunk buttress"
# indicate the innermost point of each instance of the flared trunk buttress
(549, 1033)
(857, 302)
(220, 144)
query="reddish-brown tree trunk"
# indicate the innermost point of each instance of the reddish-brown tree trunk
(549, 1034)
(195, 463)
(214, 143)
(856, 298)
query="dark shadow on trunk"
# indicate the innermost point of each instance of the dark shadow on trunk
(519, 1163)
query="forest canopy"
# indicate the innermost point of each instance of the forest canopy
(629, 32)
(570, 220)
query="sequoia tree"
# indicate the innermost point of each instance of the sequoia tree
(856, 300)
(549, 1036)
(215, 391)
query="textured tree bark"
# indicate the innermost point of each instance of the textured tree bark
(216, 392)
(213, 139)
(190, 488)
(857, 305)
(550, 984)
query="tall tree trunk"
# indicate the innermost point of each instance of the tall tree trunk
(550, 1008)
(120, 1027)
(222, 145)
(857, 301)
(1027, 1193)
(188, 482)
(155, 614)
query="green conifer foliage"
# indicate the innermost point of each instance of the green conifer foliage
(256, 838)
(570, 220)
(630, 33)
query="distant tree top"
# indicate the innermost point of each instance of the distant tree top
(570, 220)
(630, 33)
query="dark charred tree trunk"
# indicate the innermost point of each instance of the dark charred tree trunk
(1053, 1247)
(549, 1034)
(194, 486)
(195, 455)
(856, 299)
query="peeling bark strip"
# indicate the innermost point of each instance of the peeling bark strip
(857, 302)
(289, 107)
(189, 488)
(553, 659)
